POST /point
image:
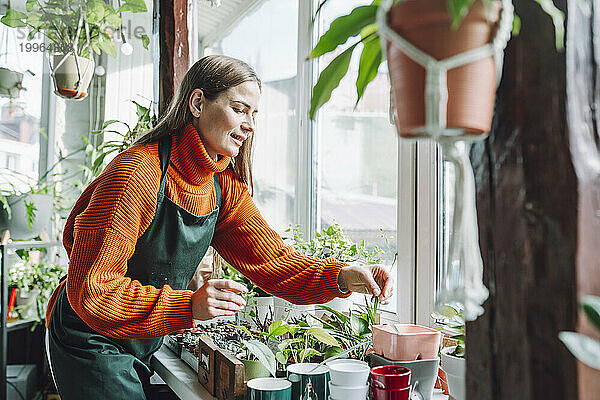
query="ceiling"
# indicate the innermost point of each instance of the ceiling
(215, 22)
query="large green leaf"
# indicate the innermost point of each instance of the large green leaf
(332, 352)
(338, 314)
(278, 328)
(95, 11)
(29, 5)
(111, 16)
(135, 6)
(145, 41)
(330, 79)
(323, 336)
(591, 307)
(343, 28)
(306, 354)
(586, 349)
(262, 354)
(14, 19)
(370, 59)
(107, 45)
(359, 326)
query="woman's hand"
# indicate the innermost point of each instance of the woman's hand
(216, 298)
(371, 279)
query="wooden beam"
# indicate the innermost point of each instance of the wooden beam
(530, 217)
(174, 48)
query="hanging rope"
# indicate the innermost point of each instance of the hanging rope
(462, 276)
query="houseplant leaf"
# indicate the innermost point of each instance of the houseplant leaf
(330, 79)
(134, 6)
(262, 354)
(14, 19)
(359, 326)
(145, 41)
(278, 328)
(370, 59)
(323, 336)
(343, 28)
(306, 354)
(591, 307)
(107, 45)
(586, 349)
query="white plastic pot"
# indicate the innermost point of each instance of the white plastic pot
(284, 309)
(72, 77)
(455, 368)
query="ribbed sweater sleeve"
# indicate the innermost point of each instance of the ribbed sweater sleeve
(245, 240)
(121, 206)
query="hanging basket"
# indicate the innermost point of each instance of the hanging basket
(471, 86)
(71, 75)
(11, 83)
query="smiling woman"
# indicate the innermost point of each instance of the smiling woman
(138, 232)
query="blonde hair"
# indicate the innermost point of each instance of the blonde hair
(213, 74)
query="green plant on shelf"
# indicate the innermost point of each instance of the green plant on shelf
(35, 278)
(333, 242)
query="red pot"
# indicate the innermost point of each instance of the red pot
(471, 88)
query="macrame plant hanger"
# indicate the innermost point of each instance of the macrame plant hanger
(462, 277)
(80, 94)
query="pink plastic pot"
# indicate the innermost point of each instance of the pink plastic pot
(406, 342)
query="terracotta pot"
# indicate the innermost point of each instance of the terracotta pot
(471, 88)
(70, 82)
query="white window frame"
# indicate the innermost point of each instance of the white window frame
(419, 188)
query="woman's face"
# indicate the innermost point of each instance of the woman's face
(227, 121)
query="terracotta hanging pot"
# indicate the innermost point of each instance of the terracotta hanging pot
(471, 88)
(72, 78)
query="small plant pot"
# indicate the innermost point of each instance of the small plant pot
(455, 368)
(284, 309)
(18, 225)
(348, 372)
(72, 76)
(405, 342)
(254, 369)
(10, 83)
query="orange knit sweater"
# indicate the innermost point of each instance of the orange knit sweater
(114, 211)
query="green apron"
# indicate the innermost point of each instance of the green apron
(88, 365)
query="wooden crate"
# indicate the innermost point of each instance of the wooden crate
(229, 377)
(206, 363)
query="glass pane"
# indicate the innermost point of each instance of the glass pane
(267, 40)
(358, 154)
(20, 116)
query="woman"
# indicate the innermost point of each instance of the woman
(137, 233)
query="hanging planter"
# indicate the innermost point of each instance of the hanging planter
(11, 83)
(471, 87)
(71, 75)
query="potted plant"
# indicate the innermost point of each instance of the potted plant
(586, 349)
(453, 357)
(440, 28)
(11, 83)
(332, 242)
(75, 30)
(35, 282)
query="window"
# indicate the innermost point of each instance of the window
(267, 40)
(20, 116)
(358, 154)
(347, 167)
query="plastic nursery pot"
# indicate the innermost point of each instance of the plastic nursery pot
(406, 342)
(390, 377)
(348, 372)
(455, 368)
(471, 88)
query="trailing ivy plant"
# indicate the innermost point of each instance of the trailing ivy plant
(68, 23)
(360, 25)
(586, 349)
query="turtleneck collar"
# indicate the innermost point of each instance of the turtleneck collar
(190, 158)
